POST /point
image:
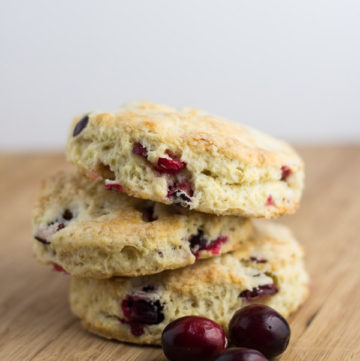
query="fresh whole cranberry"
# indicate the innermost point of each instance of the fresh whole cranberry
(193, 338)
(80, 125)
(241, 354)
(261, 328)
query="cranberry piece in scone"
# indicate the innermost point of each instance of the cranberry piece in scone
(170, 166)
(285, 172)
(180, 192)
(80, 125)
(140, 150)
(270, 201)
(58, 268)
(198, 242)
(113, 186)
(139, 312)
(261, 291)
(46, 231)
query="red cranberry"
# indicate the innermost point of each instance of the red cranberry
(241, 354)
(181, 192)
(58, 268)
(285, 172)
(270, 201)
(193, 338)
(140, 150)
(261, 291)
(140, 312)
(215, 246)
(80, 125)
(170, 166)
(198, 242)
(113, 187)
(260, 327)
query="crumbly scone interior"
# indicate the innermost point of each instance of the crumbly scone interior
(93, 232)
(220, 182)
(220, 287)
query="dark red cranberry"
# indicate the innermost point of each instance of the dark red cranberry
(258, 260)
(241, 354)
(58, 268)
(270, 201)
(193, 338)
(258, 292)
(170, 166)
(139, 149)
(80, 125)
(198, 242)
(140, 312)
(42, 240)
(113, 187)
(181, 192)
(261, 328)
(60, 226)
(285, 172)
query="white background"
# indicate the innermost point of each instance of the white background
(291, 68)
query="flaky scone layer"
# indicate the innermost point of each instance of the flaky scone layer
(188, 157)
(95, 232)
(269, 270)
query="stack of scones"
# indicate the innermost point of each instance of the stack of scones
(160, 220)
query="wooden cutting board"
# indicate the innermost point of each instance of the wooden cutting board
(35, 320)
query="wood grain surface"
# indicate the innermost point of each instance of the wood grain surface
(35, 320)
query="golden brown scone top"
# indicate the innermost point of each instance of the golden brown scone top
(201, 132)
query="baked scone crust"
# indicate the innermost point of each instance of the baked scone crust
(224, 167)
(213, 288)
(95, 232)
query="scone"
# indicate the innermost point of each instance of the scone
(190, 158)
(269, 270)
(91, 231)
